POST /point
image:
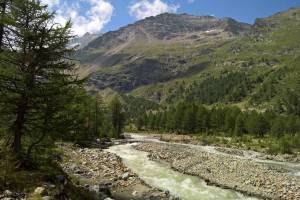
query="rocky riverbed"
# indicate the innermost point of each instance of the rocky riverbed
(187, 139)
(227, 171)
(104, 173)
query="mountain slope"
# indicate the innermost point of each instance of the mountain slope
(156, 49)
(172, 57)
(84, 40)
(257, 68)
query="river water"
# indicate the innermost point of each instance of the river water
(160, 175)
(292, 168)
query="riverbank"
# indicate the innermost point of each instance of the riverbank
(223, 145)
(104, 173)
(226, 171)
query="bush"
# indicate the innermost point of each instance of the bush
(283, 145)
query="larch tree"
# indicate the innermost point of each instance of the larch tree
(117, 117)
(36, 72)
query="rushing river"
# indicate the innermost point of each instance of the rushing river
(291, 168)
(161, 175)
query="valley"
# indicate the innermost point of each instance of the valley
(157, 105)
(183, 171)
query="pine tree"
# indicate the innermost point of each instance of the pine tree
(230, 119)
(239, 128)
(35, 69)
(117, 117)
(202, 119)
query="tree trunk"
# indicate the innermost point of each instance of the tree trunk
(19, 126)
(40, 139)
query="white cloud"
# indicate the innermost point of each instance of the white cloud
(146, 8)
(93, 20)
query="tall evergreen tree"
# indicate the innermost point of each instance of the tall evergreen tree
(239, 128)
(117, 117)
(35, 69)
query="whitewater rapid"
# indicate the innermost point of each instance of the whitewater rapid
(160, 175)
(292, 168)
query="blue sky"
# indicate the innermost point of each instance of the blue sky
(105, 15)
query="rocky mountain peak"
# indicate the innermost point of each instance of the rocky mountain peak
(167, 26)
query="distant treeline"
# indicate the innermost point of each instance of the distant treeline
(191, 118)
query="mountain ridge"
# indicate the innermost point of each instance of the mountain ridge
(174, 52)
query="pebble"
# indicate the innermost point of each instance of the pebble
(94, 165)
(226, 170)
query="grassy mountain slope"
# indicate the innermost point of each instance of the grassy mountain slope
(156, 49)
(172, 57)
(256, 68)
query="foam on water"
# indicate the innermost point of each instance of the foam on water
(161, 175)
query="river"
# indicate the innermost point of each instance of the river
(160, 175)
(292, 168)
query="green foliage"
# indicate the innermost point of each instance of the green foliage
(191, 118)
(117, 117)
(240, 128)
(229, 87)
(42, 100)
(256, 124)
(284, 145)
(36, 76)
(259, 69)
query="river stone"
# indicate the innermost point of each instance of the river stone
(125, 176)
(40, 190)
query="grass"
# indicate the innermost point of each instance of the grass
(267, 144)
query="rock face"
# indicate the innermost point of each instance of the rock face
(84, 40)
(168, 49)
(166, 27)
(227, 171)
(134, 55)
(105, 174)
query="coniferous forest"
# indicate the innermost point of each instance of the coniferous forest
(192, 118)
(43, 100)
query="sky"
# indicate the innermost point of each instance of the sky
(95, 16)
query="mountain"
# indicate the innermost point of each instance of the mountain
(166, 27)
(155, 49)
(84, 40)
(172, 57)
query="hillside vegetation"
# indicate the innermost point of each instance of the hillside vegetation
(201, 59)
(160, 62)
